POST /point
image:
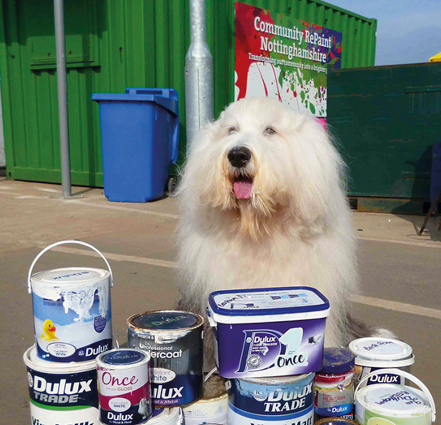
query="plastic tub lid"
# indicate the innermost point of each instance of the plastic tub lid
(270, 301)
(337, 360)
(380, 349)
(77, 275)
(393, 400)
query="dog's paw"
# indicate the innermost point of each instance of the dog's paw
(383, 333)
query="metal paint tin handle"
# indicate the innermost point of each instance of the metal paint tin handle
(63, 243)
(405, 375)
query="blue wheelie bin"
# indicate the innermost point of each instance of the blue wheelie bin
(140, 139)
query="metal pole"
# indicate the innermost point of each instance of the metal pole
(62, 97)
(199, 97)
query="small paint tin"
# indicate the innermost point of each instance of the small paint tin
(173, 416)
(72, 310)
(213, 406)
(372, 354)
(174, 341)
(276, 401)
(394, 404)
(333, 385)
(124, 387)
(268, 332)
(61, 393)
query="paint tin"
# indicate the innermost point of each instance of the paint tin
(61, 393)
(272, 401)
(372, 354)
(333, 385)
(173, 416)
(336, 421)
(72, 311)
(212, 407)
(124, 387)
(394, 404)
(174, 341)
(268, 332)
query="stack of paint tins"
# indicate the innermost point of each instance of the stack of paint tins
(72, 325)
(269, 343)
(173, 341)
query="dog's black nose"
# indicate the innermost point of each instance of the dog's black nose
(239, 156)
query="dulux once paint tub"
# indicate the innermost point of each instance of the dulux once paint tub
(61, 393)
(213, 406)
(268, 332)
(174, 341)
(283, 400)
(394, 404)
(124, 387)
(72, 311)
(372, 354)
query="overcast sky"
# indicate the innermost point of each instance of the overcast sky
(408, 31)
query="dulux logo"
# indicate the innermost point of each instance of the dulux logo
(382, 379)
(62, 387)
(95, 351)
(161, 393)
(279, 401)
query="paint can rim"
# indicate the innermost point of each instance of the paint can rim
(199, 323)
(100, 362)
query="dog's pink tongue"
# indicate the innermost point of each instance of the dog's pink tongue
(242, 189)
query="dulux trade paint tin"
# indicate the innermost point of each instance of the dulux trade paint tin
(393, 404)
(61, 393)
(213, 406)
(174, 341)
(72, 310)
(124, 387)
(283, 400)
(268, 332)
(374, 354)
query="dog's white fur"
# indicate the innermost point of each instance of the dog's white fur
(296, 228)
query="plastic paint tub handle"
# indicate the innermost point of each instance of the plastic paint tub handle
(63, 243)
(405, 375)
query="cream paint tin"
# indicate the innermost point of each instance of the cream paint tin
(213, 406)
(72, 310)
(394, 404)
(374, 354)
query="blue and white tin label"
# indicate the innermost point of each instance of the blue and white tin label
(72, 318)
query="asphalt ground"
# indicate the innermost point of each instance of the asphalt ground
(400, 272)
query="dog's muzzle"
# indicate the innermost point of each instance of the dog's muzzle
(239, 157)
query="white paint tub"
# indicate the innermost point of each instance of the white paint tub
(172, 416)
(394, 404)
(372, 354)
(72, 310)
(213, 406)
(61, 393)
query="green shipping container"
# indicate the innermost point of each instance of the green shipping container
(387, 119)
(114, 44)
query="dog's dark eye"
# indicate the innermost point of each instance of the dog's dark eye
(232, 130)
(269, 131)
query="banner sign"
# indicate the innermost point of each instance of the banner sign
(285, 58)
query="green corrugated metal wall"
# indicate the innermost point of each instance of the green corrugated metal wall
(114, 44)
(387, 119)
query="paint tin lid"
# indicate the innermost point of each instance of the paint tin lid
(71, 275)
(373, 350)
(337, 360)
(398, 401)
(244, 305)
(123, 357)
(165, 320)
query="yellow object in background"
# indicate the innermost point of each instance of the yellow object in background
(436, 58)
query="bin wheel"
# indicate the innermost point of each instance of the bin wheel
(171, 186)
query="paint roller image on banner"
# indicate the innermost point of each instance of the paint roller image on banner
(284, 58)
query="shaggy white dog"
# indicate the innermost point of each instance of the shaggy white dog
(263, 204)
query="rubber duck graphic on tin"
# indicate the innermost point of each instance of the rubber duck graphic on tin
(48, 331)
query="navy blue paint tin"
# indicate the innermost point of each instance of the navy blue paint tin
(174, 341)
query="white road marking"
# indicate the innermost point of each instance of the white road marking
(118, 257)
(44, 189)
(128, 209)
(396, 306)
(422, 244)
(374, 302)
